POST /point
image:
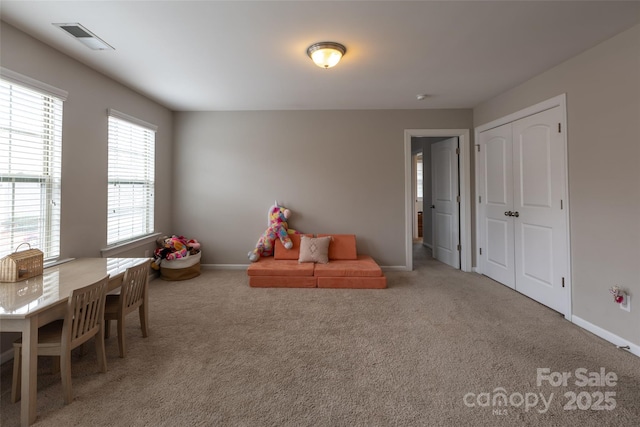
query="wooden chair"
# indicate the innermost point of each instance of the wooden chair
(83, 320)
(133, 295)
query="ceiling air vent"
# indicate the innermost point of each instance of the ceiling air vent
(84, 36)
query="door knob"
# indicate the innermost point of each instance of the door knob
(508, 213)
(433, 206)
(516, 214)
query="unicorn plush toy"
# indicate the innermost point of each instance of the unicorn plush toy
(277, 228)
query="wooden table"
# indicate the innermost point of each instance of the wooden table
(31, 303)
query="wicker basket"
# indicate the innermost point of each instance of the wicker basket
(21, 265)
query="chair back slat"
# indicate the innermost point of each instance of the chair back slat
(134, 286)
(85, 312)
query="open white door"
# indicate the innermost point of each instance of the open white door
(445, 201)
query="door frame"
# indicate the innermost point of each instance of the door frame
(557, 101)
(464, 171)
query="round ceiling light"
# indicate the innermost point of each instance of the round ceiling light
(326, 54)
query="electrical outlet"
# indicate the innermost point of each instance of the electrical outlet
(626, 304)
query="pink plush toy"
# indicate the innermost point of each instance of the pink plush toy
(194, 246)
(277, 227)
(174, 247)
(178, 244)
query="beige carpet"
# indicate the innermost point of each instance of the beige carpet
(223, 354)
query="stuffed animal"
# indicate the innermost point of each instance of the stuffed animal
(277, 228)
(194, 246)
(174, 247)
(178, 246)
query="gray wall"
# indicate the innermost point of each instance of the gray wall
(603, 119)
(84, 134)
(338, 171)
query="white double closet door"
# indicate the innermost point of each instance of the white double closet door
(522, 207)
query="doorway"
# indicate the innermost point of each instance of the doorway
(421, 136)
(436, 189)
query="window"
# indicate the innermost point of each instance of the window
(419, 177)
(131, 178)
(30, 164)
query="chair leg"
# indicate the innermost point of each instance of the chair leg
(100, 351)
(121, 344)
(144, 319)
(16, 388)
(65, 373)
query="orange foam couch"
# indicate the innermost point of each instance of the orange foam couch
(345, 268)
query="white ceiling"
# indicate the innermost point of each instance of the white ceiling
(251, 55)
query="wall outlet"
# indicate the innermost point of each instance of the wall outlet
(626, 304)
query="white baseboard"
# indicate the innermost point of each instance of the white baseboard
(224, 266)
(394, 268)
(606, 335)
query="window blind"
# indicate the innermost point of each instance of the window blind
(419, 178)
(131, 179)
(30, 169)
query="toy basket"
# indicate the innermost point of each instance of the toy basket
(181, 269)
(21, 265)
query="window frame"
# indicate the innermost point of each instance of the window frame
(48, 179)
(147, 183)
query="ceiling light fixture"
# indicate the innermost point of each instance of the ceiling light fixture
(326, 54)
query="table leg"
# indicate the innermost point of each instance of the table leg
(29, 373)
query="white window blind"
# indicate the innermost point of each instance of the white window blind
(30, 167)
(419, 178)
(131, 178)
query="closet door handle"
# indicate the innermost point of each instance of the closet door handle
(516, 214)
(433, 206)
(508, 213)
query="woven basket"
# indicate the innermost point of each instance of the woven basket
(21, 265)
(181, 269)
